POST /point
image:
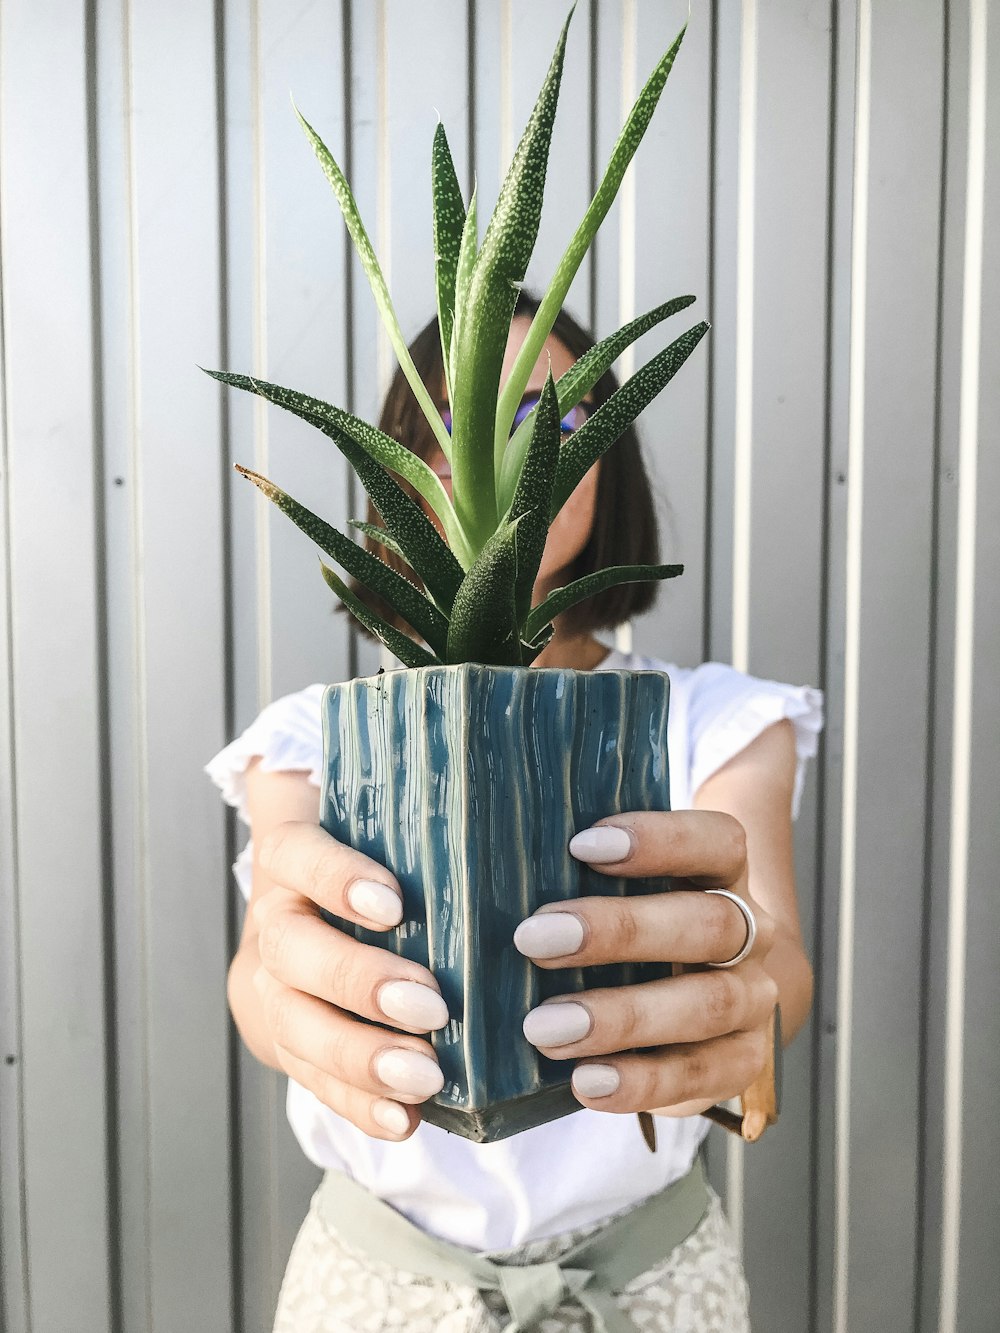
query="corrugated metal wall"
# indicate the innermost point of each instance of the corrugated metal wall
(826, 176)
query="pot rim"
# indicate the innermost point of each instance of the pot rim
(379, 676)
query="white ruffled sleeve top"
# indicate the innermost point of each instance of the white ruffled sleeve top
(585, 1166)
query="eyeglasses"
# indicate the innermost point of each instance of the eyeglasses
(572, 421)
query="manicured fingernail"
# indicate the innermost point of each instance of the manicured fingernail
(391, 1116)
(549, 935)
(596, 1080)
(409, 1071)
(413, 1005)
(556, 1024)
(375, 902)
(602, 845)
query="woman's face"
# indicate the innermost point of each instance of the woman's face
(571, 527)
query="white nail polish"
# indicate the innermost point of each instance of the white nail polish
(413, 1005)
(602, 846)
(409, 1071)
(375, 902)
(557, 1024)
(549, 935)
(391, 1116)
(596, 1080)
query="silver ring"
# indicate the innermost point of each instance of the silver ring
(748, 917)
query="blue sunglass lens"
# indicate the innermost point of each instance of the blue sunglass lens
(527, 406)
(572, 421)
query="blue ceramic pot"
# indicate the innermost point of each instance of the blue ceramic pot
(468, 782)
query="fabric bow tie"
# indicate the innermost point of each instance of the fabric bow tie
(534, 1291)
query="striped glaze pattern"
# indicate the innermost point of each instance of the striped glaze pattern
(468, 782)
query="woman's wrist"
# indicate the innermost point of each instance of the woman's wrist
(788, 964)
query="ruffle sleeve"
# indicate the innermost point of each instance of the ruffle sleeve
(288, 736)
(728, 710)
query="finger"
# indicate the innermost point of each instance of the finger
(300, 949)
(680, 925)
(706, 846)
(305, 858)
(369, 1058)
(707, 1071)
(381, 1117)
(696, 1006)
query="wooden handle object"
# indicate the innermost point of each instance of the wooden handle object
(761, 1103)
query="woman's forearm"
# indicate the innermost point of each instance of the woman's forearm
(245, 1004)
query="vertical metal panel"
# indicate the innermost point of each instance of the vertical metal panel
(53, 457)
(240, 84)
(286, 323)
(299, 265)
(122, 538)
(729, 54)
(829, 1031)
(893, 400)
(782, 574)
(410, 101)
(258, 1102)
(745, 321)
(163, 314)
(672, 180)
(613, 80)
(14, 1283)
(367, 145)
(969, 1289)
(495, 130)
(947, 884)
(742, 457)
(416, 97)
(726, 70)
(300, 269)
(960, 1068)
(513, 51)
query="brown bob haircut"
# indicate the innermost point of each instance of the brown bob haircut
(625, 528)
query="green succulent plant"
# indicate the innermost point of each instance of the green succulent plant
(506, 489)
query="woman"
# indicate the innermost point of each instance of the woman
(297, 987)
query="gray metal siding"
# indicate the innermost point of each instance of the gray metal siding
(825, 177)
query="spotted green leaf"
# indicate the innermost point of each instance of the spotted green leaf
(573, 386)
(392, 455)
(428, 554)
(376, 279)
(483, 622)
(468, 250)
(561, 599)
(377, 534)
(398, 643)
(449, 225)
(533, 496)
(368, 569)
(621, 155)
(586, 445)
(486, 314)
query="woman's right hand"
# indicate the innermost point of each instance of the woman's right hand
(312, 981)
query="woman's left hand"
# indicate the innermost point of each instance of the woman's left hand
(684, 1043)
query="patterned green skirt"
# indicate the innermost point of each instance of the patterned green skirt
(334, 1286)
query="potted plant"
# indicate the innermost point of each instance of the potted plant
(467, 772)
